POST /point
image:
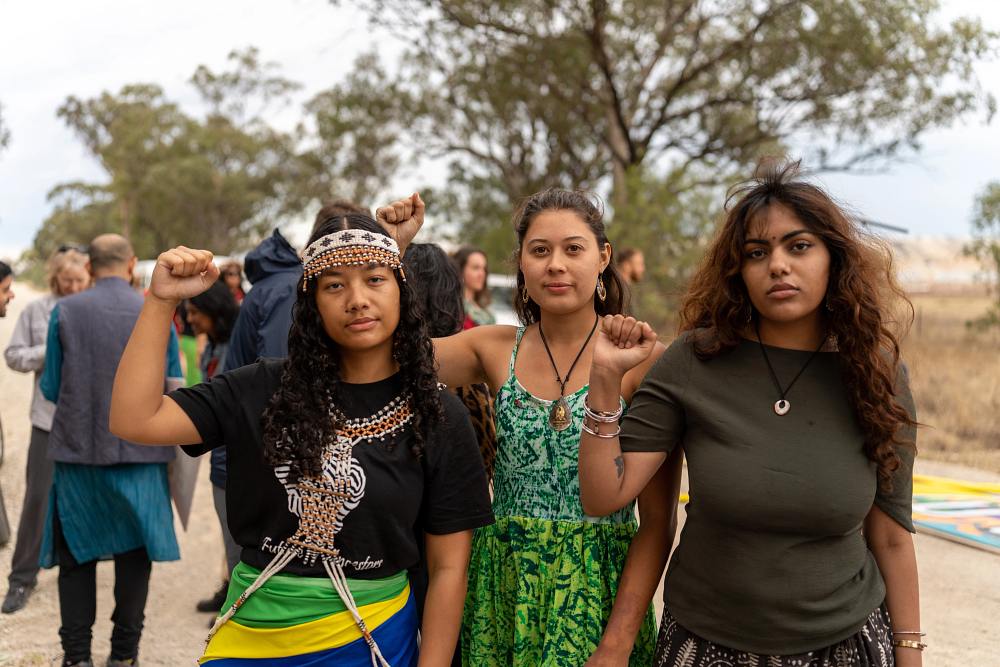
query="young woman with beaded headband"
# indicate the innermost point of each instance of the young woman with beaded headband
(544, 577)
(787, 390)
(335, 454)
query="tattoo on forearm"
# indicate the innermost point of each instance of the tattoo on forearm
(620, 462)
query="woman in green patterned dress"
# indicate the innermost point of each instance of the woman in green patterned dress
(544, 579)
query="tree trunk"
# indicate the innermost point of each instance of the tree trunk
(621, 153)
(126, 222)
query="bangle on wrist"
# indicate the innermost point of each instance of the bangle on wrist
(909, 632)
(598, 434)
(602, 417)
(905, 643)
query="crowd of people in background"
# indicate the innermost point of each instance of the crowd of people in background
(399, 480)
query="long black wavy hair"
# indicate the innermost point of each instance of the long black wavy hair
(440, 284)
(297, 425)
(218, 303)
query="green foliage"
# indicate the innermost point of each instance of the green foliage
(357, 144)
(985, 247)
(670, 223)
(216, 183)
(524, 94)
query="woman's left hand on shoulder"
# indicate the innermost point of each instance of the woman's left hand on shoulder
(622, 344)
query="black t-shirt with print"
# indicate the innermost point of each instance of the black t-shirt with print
(445, 491)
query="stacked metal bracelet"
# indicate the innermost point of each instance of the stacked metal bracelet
(906, 643)
(599, 418)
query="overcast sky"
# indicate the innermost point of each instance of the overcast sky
(49, 50)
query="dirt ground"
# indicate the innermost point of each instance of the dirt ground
(960, 585)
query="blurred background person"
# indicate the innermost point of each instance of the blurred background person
(109, 496)
(632, 264)
(66, 273)
(189, 346)
(473, 269)
(213, 314)
(440, 287)
(232, 275)
(6, 293)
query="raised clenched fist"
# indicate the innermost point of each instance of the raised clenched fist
(182, 273)
(622, 344)
(402, 220)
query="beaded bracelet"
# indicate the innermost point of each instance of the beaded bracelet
(599, 434)
(906, 643)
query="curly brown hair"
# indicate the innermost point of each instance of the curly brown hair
(861, 290)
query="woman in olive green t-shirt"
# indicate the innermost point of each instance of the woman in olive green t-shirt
(788, 394)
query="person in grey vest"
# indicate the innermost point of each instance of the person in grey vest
(109, 496)
(66, 274)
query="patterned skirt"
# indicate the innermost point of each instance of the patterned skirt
(871, 646)
(294, 621)
(540, 593)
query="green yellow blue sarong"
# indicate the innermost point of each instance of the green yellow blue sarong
(294, 621)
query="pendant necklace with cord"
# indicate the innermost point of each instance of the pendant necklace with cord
(782, 406)
(560, 416)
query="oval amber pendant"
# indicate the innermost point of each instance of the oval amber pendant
(559, 415)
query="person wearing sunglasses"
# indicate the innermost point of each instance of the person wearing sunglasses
(232, 275)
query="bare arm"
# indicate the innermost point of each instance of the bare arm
(448, 570)
(139, 410)
(610, 479)
(892, 546)
(647, 558)
(463, 359)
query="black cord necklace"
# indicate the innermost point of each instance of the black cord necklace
(783, 406)
(560, 416)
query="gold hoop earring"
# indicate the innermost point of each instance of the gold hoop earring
(524, 294)
(602, 293)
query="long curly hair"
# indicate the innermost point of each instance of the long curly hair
(861, 292)
(297, 424)
(616, 302)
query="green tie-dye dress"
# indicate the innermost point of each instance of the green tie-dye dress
(543, 578)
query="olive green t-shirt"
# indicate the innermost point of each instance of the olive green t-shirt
(771, 559)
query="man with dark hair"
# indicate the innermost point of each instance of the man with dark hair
(334, 207)
(632, 264)
(6, 293)
(109, 496)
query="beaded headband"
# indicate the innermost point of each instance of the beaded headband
(349, 247)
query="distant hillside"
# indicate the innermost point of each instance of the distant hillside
(937, 265)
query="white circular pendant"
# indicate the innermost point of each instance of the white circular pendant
(782, 406)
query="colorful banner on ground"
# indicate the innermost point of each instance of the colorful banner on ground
(965, 512)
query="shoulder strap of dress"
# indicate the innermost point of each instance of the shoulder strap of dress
(513, 353)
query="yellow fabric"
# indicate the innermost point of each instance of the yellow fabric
(238, 641)
(943, 485)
